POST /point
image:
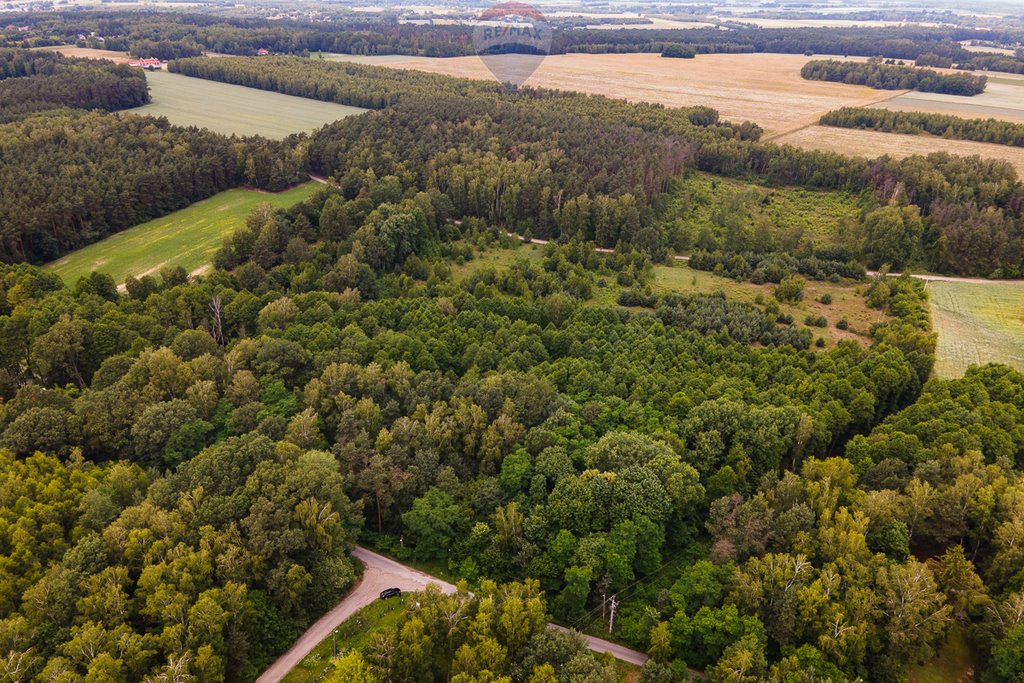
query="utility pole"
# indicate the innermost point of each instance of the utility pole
(604, 601)
(614, 606)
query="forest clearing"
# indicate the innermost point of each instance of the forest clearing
(976, 324)
(234, 109)
(186, 238)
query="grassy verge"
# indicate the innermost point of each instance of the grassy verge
(354, 632)
(186, 238)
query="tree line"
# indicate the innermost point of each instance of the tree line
(33, 81)
(943, 125)
(876, 74)
(350, 35)
(65, 185)
(376, 87)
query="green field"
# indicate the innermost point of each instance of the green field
(186, 238)
(977, 323)
(234, 109)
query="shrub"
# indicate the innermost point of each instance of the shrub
(790, 289)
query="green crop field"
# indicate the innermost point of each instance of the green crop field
(977, 324)
(234, 109)
(186, 238)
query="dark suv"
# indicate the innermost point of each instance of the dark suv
(390, 593)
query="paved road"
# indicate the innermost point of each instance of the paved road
(381, 572)
(614, 649)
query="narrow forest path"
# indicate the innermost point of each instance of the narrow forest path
(871, 273)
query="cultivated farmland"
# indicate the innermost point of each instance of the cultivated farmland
(764, 88)
(91, 53)
(186, 238)
(234, 109)
(870, 143)
(1003, 99)
(977, 323)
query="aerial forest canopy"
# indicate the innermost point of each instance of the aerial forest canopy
(500, 422)
(35, 81)
(189, 460)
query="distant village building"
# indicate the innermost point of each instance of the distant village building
(150, 63)
(262, 51)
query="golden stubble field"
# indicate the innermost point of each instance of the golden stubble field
(870, 143)
(765, 88)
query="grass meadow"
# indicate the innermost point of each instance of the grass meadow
(186, 238)
(977, 323)
(235, 109)
(847, 298)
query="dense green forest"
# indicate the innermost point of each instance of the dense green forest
(500, 423)
(33, 81)
(877, 74)
(959, 215)
(64, 184)
(187, 463)
(944, 125)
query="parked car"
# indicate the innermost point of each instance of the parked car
(390, 593)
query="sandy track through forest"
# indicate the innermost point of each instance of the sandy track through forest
(381, 572)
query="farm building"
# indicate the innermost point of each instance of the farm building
(149, 63)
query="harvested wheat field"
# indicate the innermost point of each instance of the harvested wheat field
(91, 53)
(764, 88)
(869, 143)
(1003, 99)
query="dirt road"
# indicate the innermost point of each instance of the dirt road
(381, 573)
